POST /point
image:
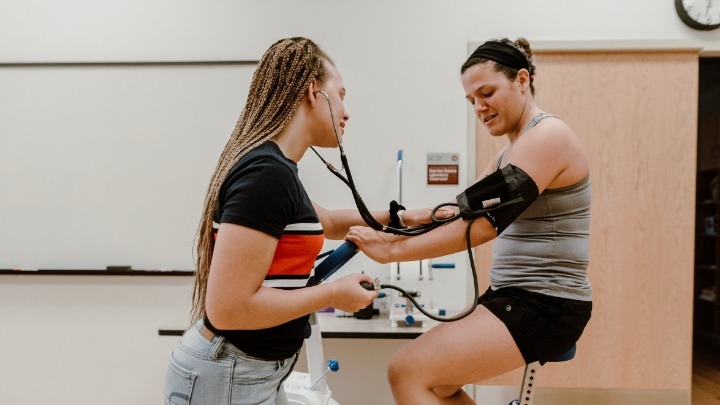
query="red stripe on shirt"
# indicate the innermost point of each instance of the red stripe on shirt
(295, 254)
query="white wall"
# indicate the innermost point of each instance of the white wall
(399, 61)
(88, 340)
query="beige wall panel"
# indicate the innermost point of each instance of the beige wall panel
(636, 113)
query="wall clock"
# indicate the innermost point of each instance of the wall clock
(699, 14)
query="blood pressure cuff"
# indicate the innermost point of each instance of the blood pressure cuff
(501, 197)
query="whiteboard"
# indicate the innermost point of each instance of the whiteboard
(108, 164)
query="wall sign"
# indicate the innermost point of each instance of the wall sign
(442, 168)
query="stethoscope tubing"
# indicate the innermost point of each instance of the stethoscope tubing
(410, 231)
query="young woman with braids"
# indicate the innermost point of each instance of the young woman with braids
(260, 235)
(540, 299)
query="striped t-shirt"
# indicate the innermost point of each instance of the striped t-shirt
(263, 192)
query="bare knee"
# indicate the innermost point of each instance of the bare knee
(402, 375)
(396, 371)
(410, 385)
(447, 391)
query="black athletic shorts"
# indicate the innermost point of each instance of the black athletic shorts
(544, 327)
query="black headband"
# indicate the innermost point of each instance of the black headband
(504, 54)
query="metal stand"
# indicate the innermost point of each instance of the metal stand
(311, 388)
(527, 390)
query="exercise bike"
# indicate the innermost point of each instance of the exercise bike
(311, 388)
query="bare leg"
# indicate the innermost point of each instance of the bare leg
(445, 391)
(433, 368)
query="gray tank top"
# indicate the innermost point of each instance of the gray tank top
(547, 249)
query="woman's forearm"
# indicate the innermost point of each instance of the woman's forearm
(260, 310)
(442, 241)
(336, 223)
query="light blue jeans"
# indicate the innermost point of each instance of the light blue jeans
(210, 372)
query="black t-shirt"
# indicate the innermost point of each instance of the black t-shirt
(263, 192)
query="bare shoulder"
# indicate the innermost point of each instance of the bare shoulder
(553, 153)
(551, 132)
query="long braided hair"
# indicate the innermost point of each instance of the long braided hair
(278, 84)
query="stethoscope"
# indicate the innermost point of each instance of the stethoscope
(411, 231)
(362, 208)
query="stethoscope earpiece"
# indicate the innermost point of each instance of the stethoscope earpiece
(332, 117)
